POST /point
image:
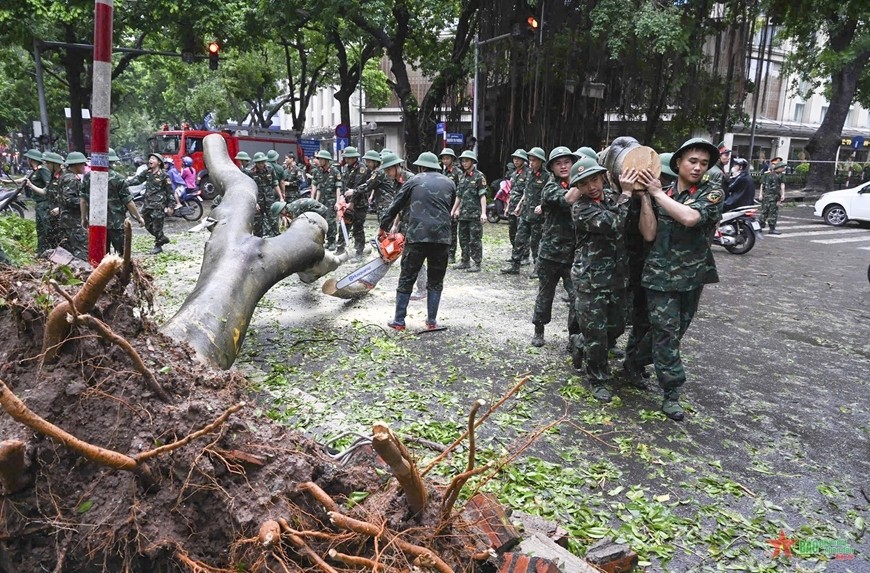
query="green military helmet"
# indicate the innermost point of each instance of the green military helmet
(259, 156)
(387, 150)
(447, 151)
(587, 151)
(695, 142)
(666, 164)
(390, 159)
(52, 157)
(157, 156)
(113, 156)
(521, 154)
(468, 154)
(537, 152)
(242, 156)
(350, 152)
(323, 154)
(277, 207)
(34, 154)
(76, 158)
(584, 168)
(272, 155)
(372, 155)
(560, 151)
(428, 159)
(781, 165)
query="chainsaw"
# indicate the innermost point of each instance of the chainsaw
(389, 247)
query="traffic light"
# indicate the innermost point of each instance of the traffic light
(214, 50)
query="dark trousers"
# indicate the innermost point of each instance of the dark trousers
(512, 228)
(154, 223)
(638, 349)
(670, 314)
(454, 227)
(115, 240)
(528, 238)
(549, 273)
(471, 240)
(602, 320)
(434, 255)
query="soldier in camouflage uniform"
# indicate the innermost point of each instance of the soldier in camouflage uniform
(529, 213)
(451, 171)
(120, 201)
(680, 261)
(286, 212)
(470, 210)
(54, 164)
(37, 182)
(265, 224)
(518, 180)
(158, 199)
(326, 186)
(272, 157)
(388, 184)
(243, 159)
(639, 235)
(599, 270)
(557, 242)
(293, 176)
(353, 175)
(68, 201)
(772, 196)
(427, 198)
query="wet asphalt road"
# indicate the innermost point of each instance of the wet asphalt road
(778, 363)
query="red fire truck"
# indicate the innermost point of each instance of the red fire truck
(176, 143)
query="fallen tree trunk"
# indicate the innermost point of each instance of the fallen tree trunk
(239, 268)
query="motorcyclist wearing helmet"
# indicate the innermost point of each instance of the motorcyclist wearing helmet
(188, 174)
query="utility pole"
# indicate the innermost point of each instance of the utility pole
(101, 104)
(40, 93)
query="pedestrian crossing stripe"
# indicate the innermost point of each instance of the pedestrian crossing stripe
(844, 240)
(790, 227)
(864, 248)
(787, 218)
(815, 233)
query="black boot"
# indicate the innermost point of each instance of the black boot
(433, 301)
(538, 338)
(402, 300)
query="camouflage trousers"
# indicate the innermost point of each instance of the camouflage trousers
(528, 237)
(769, 212)
(74, 240)
(331, 222)
(454, 228)
(670, 314)
(602, 320)
(115, 240)
(549, 273)
(265, 223)
(356, 228)
(471, 240)
(154, 224)
(638, 349)
(44, 227)
(513, 222)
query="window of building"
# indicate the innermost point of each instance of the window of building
(823, 114)
(798, 112)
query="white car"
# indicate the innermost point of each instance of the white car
(839, 207)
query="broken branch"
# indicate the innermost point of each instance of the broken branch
(452, 493)
(483, 418)
(394, 453)
(186, 440)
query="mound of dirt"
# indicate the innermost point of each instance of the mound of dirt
(199, 507)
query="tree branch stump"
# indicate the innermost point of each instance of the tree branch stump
(394, 453)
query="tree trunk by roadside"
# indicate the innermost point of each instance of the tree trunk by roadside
(237, 267)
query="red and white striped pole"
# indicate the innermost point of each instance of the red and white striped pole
(100, 108)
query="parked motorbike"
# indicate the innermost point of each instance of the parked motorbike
(738, 230)
(10, 202)
(191, 203)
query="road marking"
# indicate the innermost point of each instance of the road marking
(786, 218)
(815, 233)
(789, 227)
(864, 248)
(846, 240)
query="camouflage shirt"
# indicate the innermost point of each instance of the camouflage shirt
(519, 179)
(532, 194)
(557, 237)
(68, 194)
(427, 198)
(118, 197)
(158, 190)
(327, 182)
(293, 176)
(353, 178)
(454, 173)
(599, 261)
(680, 258)
(40, 177)
(266, 181)
(306, 205)
(472, 186)
(771, 186)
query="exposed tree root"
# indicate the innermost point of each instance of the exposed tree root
(357, 562)
(56, 325)
(394, 453)
(303, 549)
(187, 439)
